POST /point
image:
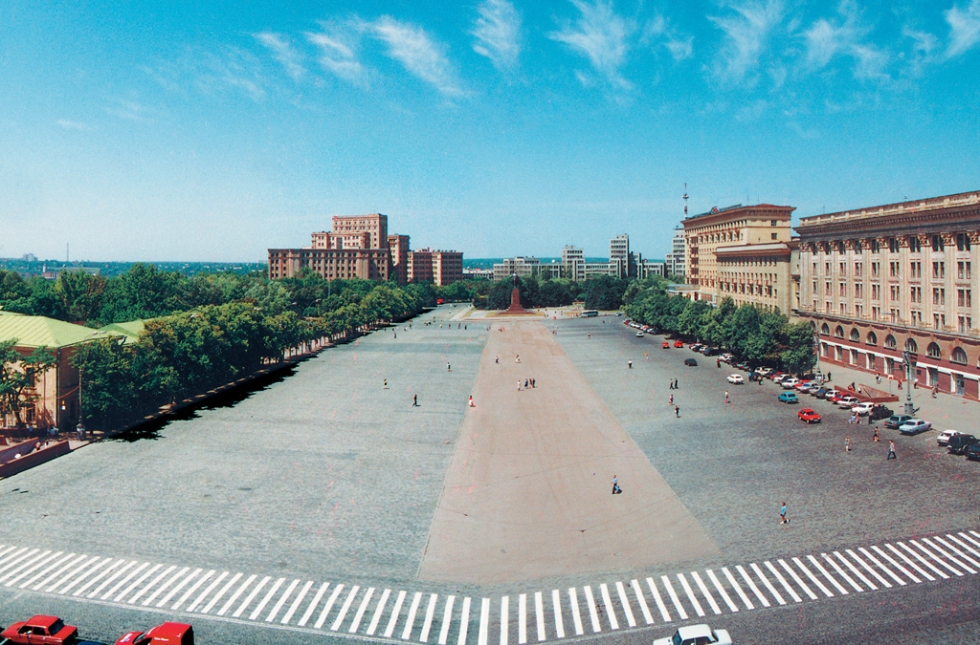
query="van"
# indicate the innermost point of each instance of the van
(958, 444)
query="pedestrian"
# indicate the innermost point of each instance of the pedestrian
(782, 515)
(449, 368)
(671, 384)
(496, 360)
(415, 401)
(526, 384)
(646, 356)
(847, 444)
(533, 383)
(857, 418)
(386, 384)
(616, 490)
(828, 376)
(472, 405)
(631, 367)
(726, 396)
(677, 412)
(891, 451)
(672, 399)
(935, 388)
(875, 438)
(518, 359)
(877, 378)
(677, 385)
(518, 386)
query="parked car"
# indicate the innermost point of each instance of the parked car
(880, 412)
(789, 382)
(165, 634)
(726, 358)
(788, 397)
(804, 386)
(639, 334)
(696, 347)
(765, 371)
(958, 444)
(736, 379)
(896, 420)
(914, 426)
(41, 630)
(690, 362)
(710, 351)
(943, 438)
(777, 377)
(863, 408)
(847, 402)
(665, 345)
(745, 367)
(678, 343)
(696, 635)
(808, 415)
(819, 392)
(972, 452)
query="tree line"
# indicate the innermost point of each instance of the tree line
(756, 336)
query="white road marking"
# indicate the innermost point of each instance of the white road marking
(877, 563)
(782, 581)
(607, 601)
(556, 608)
(140, 580)
(866, 567)
(413, 610)
(464, 622)
(210, 588)
(107, 571)
(322, 618)
(40, 562)
(963, 545)
(76, 575)
(738, 589)
(967, 537)
(707, 594)
(948, 550)
(282, 601)
(539, 616)
(183, 583)
(214, 601)
(359, 615)
(165, 585)
(923, 561)
(797, 578)
(119, 584)
(139, 594)
(641, 601)
(932, 556)
(854, 570)
(827, 592)
(721, 591)
(522, 619)
(296, 603)
(593, 613)
(826, 574)
(342, 614)
(911, 576)
(841, 572)
(26, 564)
(504, 620)
(765, 581)
(427, 622)
(624, 601)
(19, 556)
(656, 597)
(251, 596)
(751, 583)
(266, 598)
(378, 609)
(690, 594)
(576, 616)
(447, 620)
(47, 569)
(393, 620)
(673, 597)
(484, 621)
(61, 571)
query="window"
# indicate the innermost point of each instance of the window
(914, 246)
(937, 242)
(890, 342)
(962, 242)
(871, 339)
(857, 246)
(893, 245)
(859, 310)
(839, 332)
(916, 269)
(963, 270)
(858, 269)
(774, 235)
(875, 269)
(826, 290)
(859, 290)
(963, 298)
(893, 269)
(915, 294)
(873, 245)
(895, 292)
(825, 329)
(875, 313)
(855, 335)
(876, 292)
(934, 351)
(938, 269)
(843, 268)
(958, 356)
(965, 323)
(910, 346)
(938, 296)
(938, 321)
(773, 222)
(842, 292)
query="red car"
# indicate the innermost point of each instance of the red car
(41, 630)
(835, 397)
(678, 343)
(808, 415)
(165, 634)
(665, 345)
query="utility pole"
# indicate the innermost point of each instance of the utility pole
(910, 359)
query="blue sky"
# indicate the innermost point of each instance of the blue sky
(213, 131)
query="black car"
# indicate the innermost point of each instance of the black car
(880, 412)
(896, 420)
(972, 452)
(819, 392)
(959, 443)
(690, 362)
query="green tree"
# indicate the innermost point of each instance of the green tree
(799, 356)
(80, 294)
(17, 373)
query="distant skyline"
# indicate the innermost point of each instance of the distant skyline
(212, 131)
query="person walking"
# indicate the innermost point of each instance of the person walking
(726, 397)
(415, 401)
(472, 405)
(630, 363)
(875, 437)
(496, 359)
(518, 386)
(671, 384)
(847, 444)
(449, 368)
(386, 384)
(891, 451)
(677, 412)
(671, 399)
(782, 515)
(677, 385)
(616, 490)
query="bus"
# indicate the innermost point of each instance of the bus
(590, 313)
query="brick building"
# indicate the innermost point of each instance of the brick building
(439, 267)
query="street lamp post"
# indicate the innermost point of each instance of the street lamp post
(80, 428)
(816, 351)
(910, 361)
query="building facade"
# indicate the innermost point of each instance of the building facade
(619, 255)
(675, 260)
(880, 280)
(521, 266)
(398, 247)
(438, 267)
(573, 263)
(331, 264)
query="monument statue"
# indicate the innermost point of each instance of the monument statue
(515, 298)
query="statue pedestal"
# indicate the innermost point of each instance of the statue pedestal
(515, 303)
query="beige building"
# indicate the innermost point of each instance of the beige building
(438, 267)
(357, 247)
(879, 280)
(743, 252)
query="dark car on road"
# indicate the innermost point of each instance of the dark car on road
(896, 420)
(972, 452)
(690, 362)
(880, 412)
(819, 392)
(959, 443)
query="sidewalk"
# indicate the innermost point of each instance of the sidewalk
(946, 411)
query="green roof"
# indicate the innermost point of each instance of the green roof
(41, 331)
(130, 330)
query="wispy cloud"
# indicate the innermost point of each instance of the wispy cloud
(660, 31)
(232, 68)
(498, 33)
(418, 53)
(846, 36)
(283, 52)
(66, 124)
(129, 110)
(964, 28)
(746, 32)
(338, 52)
(601, 36)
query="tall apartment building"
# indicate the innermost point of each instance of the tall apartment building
(439, 267)
(521, 266)
(573, 263)
(398, 247)
(742, 252)
(876, 281)
(620, 256)
(675, 260)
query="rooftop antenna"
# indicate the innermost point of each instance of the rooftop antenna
(685, 199)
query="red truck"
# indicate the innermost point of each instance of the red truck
(165, 634)
(40, 630)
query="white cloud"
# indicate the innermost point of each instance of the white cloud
(923, 47)
(964, 28)
(417, 52)
(232, 68)
(129, 110)
(601, 36)
(746, 32)
(338, 53)
(73, 125)
(827, 39)
(283, 51)
(660, 31)
(498, 33)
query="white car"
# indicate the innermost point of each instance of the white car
(789, 382)
(639, 334)
(863, 408)
(848, 402)
(736, 379)
(696, 635)
(945, 436)
(764, 371)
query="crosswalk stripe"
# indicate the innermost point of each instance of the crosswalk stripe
(344, 608)
(87, 574)
(504, 621)
(738, 589)
(963, 545)
(624, 601)
(393, 619)
(251, 596)
(522, 619)
(464, 622)
(539, 615)
(607, 601)
(842, 573)
(484, 621)
(556, 609)
(932, 556)
(748, 580)
(25, 564)
(234, 596)
(296, 603)
(826, 574)
(355, 624)
(967, 537)
(915, 554)
(947, 547)
(657, 599)
(827, 592)
(21, 554)
(48, 556)
(797, 578)
(690, 594)
(265, 599)
(139, 594)
(47, 569)
(782, 581)
(214, 600)
(413, 610)
(165, 585)
(70, 573)
(176, 589)
(378, 609)
(704, 591)
(447, 620)
(129, 576)
(204, 594)
(721, 590)
(139, 580)
(855, 571)
(908, 574)
(60, 570)
(427, 622)
(322, 618)
(593, 613)
(4, 550)
(105, 572)
(864, 565)
(673, 597)
(905, 558)
(641, 601)
(765, 581)
(282, 601)
(877, 563)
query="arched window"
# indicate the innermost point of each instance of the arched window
(890, 342)
(855, 335)
(934, 351)
(911, 346)
(825, 329)
(958, 356)
(872, 339)
(839, 332)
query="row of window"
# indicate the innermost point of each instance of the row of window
(964, 297)
(964, 270)
(936, 242)
(933, 350)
